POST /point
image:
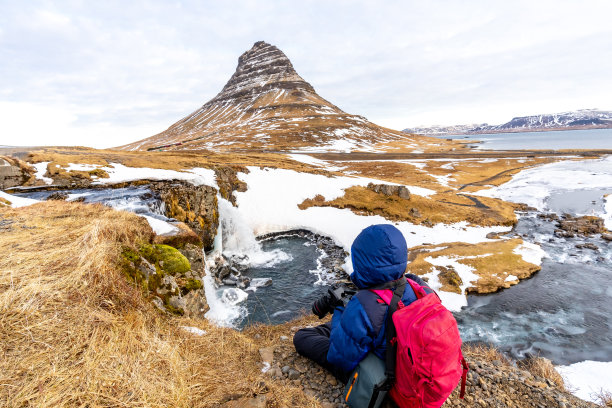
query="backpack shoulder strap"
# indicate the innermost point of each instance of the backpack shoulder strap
(394, 299)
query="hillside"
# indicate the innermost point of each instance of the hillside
(581, 119)
(267, 105)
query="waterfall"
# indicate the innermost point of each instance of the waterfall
(239, 242)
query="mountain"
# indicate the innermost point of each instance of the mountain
(266, 105)
(581, 119)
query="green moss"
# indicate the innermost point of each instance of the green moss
(169, 259)
(193, 284)
(174, 310)
(131, 255)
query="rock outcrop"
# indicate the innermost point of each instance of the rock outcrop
(171, 278)
(196, 206)
(267, 105)
(569, 226)
(13, 172)
(391, 190)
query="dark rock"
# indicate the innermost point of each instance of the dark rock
(390, 190)
(196, 206)
(588, 245)
(58, 196)
(584, 225)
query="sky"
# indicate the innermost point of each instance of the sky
(107, 73)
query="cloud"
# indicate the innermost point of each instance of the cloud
(144, 64)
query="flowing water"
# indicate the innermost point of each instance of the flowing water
(562, 313)
(139, 200)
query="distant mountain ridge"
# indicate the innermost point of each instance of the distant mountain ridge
(266, 105)
(581, 119)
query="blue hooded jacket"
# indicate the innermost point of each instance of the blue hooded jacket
(379, 255)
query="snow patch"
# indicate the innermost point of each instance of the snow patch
(452, 301)
(587, 378)
(194, 330)
(119, 173)
(531, 253)
(17, 201)
(41, 169)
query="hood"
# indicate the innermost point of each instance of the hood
(379, 255)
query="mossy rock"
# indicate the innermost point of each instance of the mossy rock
(167, 258)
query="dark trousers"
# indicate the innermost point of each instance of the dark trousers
(313, 343)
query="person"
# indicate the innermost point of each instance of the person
(379, 255)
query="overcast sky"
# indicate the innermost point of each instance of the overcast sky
(107, 73)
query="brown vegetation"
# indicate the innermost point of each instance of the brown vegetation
(493, 262)
(74, 331)
(439, 208)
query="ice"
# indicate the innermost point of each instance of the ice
(533, 186)
(608, 212)
(233, 296)
(160, 227)
(17, 201)
(588, 378)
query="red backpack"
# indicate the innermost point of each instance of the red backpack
(424, 361)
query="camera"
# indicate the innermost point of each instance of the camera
(337, 295)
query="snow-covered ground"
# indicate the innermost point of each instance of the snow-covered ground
(588, 378)
(17, 201)
(271, 204)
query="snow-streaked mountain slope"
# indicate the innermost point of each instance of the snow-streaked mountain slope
(580, 119)
(267, 105)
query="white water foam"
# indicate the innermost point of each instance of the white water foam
(238, 239)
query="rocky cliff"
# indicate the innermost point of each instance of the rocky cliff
(267, 105)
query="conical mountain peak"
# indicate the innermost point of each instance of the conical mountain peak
(260, 69)
(267, 105)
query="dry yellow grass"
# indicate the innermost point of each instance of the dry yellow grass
(493, 262)
(439, 208)
(544, 368)
(484, 352)
(74, 332)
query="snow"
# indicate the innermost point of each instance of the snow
(587, 378)
(533, 186)
(194, 330)
(81, 167)
(17, 201)
(41, 169)
(313, 161)
(270, 205)
(510, 278)
(452, 301)
(119, 173)
(160, 227)
(531, 253)
(608, 212)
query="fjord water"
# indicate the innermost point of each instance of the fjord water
(555, 140)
